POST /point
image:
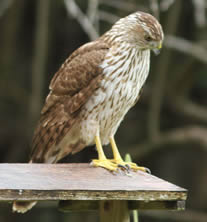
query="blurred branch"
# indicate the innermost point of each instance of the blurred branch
(166, 4)
(92, 10)
(108, 17)
(187, 47)
(181, 105)
(74, 10)
(200, 12)
(92, 13)
(123, 5)
(4, 5)
(190, 109)
(158, 87)
(153, 4)
(39, 60)
(190, 134)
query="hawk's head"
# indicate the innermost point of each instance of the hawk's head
(139, 29)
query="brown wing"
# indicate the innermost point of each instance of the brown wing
(70, 88)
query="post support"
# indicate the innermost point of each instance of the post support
(114, 211)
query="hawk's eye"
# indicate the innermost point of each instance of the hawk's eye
(148, 38)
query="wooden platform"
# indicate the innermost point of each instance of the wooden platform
(84, 182)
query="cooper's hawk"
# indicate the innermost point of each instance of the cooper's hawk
(93, 90)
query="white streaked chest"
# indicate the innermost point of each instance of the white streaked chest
(124, 75)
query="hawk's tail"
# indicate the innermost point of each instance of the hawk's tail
(22, 206)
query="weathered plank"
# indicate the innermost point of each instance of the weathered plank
(81, 182)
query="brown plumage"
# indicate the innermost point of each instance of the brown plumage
(70, 88)
(92, 91)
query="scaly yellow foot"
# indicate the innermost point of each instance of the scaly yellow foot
(105, 163)
(129, 165)
(102, 161)
(119, 161)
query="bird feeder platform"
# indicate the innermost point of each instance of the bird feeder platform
(81, 187)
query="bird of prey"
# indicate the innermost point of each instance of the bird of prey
(92, 92)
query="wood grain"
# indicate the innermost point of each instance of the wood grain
(81, 182)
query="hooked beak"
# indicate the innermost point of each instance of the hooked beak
(157, 50)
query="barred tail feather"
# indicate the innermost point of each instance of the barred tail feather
(22, 206)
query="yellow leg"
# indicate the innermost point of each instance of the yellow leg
(116, 154)
(102, 161)
(120, 162)
(101, 155)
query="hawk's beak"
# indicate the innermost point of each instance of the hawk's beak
(157, 50)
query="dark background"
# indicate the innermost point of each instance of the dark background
(166, 131)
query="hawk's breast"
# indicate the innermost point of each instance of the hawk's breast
(124, 73)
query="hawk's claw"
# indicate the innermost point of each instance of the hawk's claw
(147, 170)
(114, 165)
(124, 167)
(128, 167)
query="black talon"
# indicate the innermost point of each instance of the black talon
(147, 170)
(128, 167)
(122, 166)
